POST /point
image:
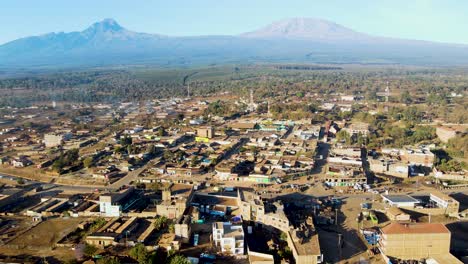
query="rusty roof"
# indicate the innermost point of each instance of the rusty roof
(420, 228)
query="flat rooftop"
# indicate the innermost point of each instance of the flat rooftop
(214, 200)
(400, 198)
(442, 196)
(235, 232)
(309, 246)
(419, 228)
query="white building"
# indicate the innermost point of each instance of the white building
(106, 208)
(230, 238)
(442, 200)
(54, 140)
(358, 129)
(400, 200)
(348, 98)
(110, 205)
(310, 133)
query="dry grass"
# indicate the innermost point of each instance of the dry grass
(46, 234)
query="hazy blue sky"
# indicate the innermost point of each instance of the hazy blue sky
(444, 20)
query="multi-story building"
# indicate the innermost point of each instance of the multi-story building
(415, 241)
(205, 132)
(356, 129)
(389, 167)
(174, 200)
(309, 133)
(354, 152)
(251, 206)
(230, 238)
(54, 140)
(400, 200)
(277, 218)
(442, 200)
(341, 175)
(396, 214)
(182, 228)
(111, 205)
(304, 244)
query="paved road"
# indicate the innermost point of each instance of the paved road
(132, 175)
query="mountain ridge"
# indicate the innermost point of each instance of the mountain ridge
(290, 40)
(305, 28)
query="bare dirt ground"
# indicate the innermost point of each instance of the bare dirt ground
(204, 241)
(39, 242)
(13, 225)
(46, 234)
(31, 173)
(353, 249)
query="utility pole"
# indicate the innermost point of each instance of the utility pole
(387, 93)
(126, 238)
(339, 246)
(336, 217)
(188, 90)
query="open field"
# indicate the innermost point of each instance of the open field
(13, 226)
(216, 73)
(46, 234)
(353, 248)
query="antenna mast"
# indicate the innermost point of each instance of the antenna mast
(188, 90)
(387, 92)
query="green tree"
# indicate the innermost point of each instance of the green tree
(140, 254)
(125, 141)
(151, 149)
(449, 166)
(285, 253)
(178, 259)
(160, 223)
(422, 133)
(361, 139)
(195, 161)
(405, 97)
(343, 135)
(161, 132)
(88, 162)
(371, 94)
(129, 149)
(108, 260)
(168, 155)
(283, 236)
(180, 116)
(118, 149)
(171, 228)
(90, 250)
(98, 223)
(458, 146)
(58, 165)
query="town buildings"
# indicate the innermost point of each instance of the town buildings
(304, 244)
(229, 237)
(416, 241)
(442, 200)
(112, 204)
(400, 200)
